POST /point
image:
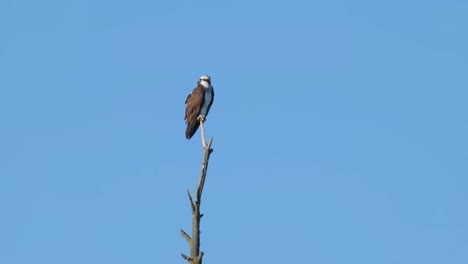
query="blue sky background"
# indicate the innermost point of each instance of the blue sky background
(340, 131)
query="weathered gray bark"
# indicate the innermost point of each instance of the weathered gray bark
(194, 242)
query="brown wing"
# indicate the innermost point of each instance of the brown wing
(193, 107)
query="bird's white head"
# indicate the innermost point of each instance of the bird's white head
(205, 80)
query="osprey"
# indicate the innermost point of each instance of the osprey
(198, 105)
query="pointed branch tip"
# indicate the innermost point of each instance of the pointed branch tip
(186, 236)
(191, 200)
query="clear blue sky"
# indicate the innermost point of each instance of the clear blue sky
(340, 131)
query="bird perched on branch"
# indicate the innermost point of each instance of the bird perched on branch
(198, 105)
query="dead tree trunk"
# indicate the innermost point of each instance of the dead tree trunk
(194, 242)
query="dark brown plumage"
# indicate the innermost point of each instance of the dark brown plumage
(194, 104)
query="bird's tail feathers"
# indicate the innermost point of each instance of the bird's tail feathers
(191, 129)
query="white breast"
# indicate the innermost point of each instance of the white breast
(208, 99)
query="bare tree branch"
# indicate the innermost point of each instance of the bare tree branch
(191, 201)
(202, 128)
(194, 242)
(207, 152)
(190, 260)
(186, 236)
